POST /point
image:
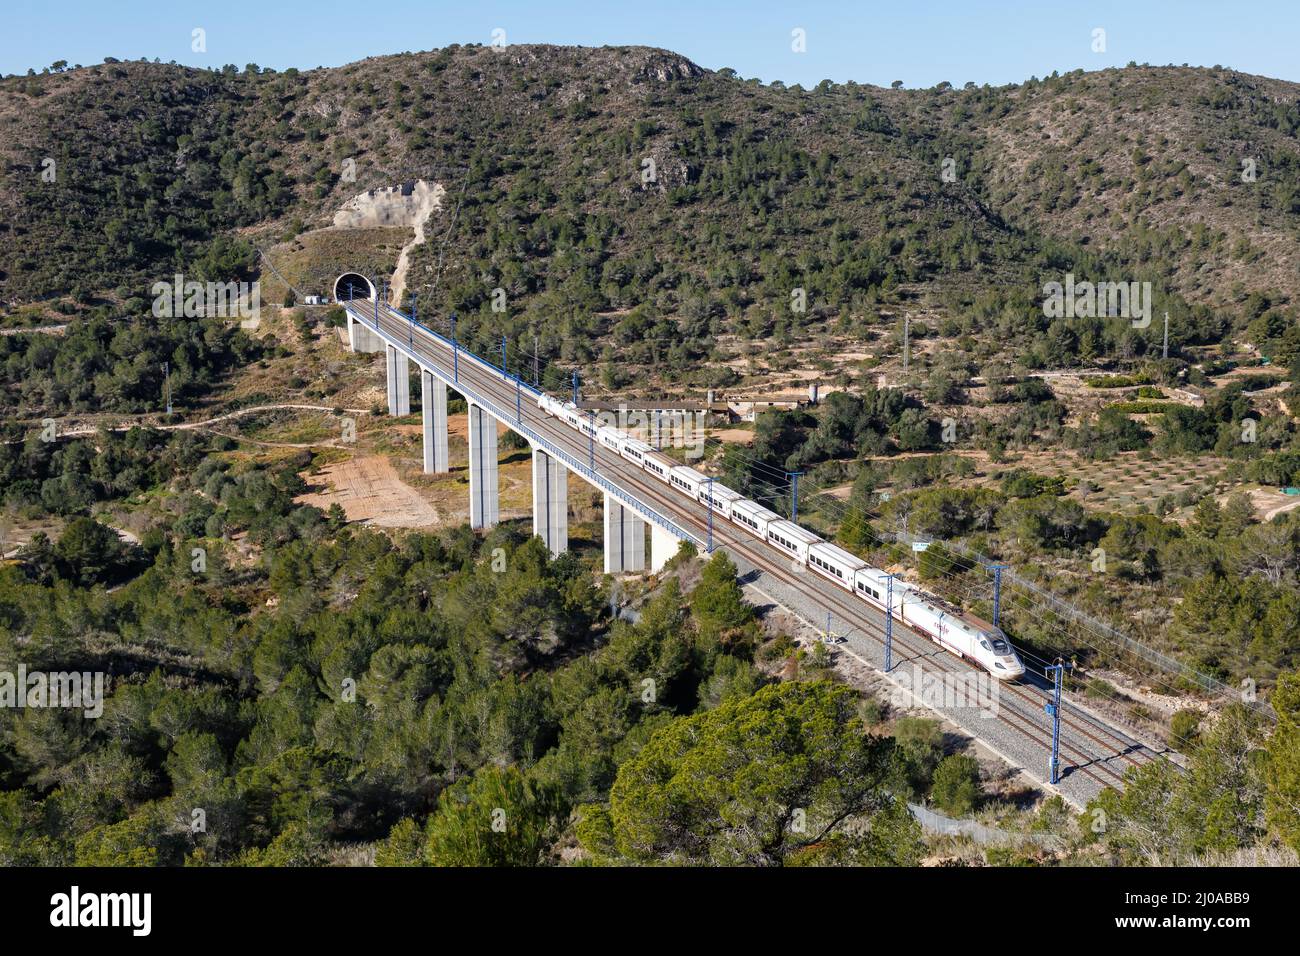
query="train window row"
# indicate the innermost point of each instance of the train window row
(826, 566)
(788, 545)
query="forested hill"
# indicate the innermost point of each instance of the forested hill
(756, 189)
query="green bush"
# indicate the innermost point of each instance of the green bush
(1184, 729)
(956, 784)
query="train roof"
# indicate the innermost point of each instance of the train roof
(879, 576)
(754, 510)
(938, 606)
(839, 554)
(954, 617)
(794, 531)
(721, 491)
(637, 444)
(686, 471)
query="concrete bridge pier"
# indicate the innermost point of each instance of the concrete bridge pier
(361, 338)
(433, 408)
(663, 547)
(398, 373)
(624, 538)
(484, 504)
(550, 501)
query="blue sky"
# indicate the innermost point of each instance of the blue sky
(920, 43)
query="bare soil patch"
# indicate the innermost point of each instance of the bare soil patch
(369, 490)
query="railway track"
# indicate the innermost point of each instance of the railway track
(1088, 746)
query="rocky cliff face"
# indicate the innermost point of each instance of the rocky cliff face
(408, 204)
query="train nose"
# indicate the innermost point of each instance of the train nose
(1007, 668)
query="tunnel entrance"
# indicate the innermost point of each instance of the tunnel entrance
(353, 285)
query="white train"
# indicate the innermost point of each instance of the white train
(950, 628)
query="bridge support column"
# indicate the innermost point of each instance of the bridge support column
(663, 547)
(360, 338)
(390, 377)
(550, 502)
(398, 370)
(433, 408)
(483, 501)
(624, 538)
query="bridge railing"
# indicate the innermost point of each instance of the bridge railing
(517, 425)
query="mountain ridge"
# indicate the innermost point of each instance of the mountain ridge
(755, 188)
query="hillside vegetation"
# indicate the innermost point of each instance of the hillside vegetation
(757, 190)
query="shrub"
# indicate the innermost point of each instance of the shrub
(1184, 729)
(956, 784)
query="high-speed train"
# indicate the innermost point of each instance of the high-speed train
(946, 625)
